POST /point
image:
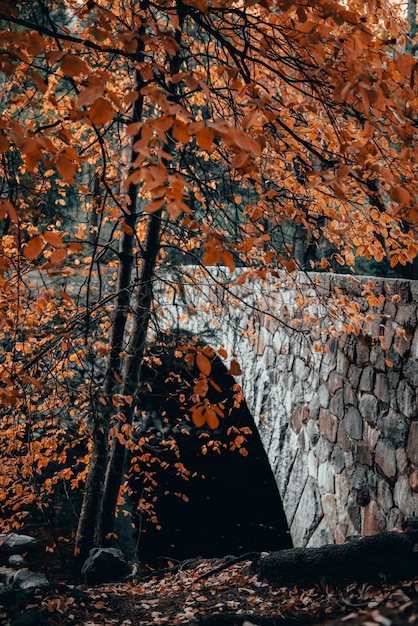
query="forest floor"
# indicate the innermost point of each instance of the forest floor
(214, 592)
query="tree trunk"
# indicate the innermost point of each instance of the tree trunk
(86, 536)
(131, 375)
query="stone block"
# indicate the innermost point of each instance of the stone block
(326, 478)
(413, 481)
(354, 513)
(407, 399)
(313, 432)
(362, 357)
(359, 486)
(308, 515)
(394, 427)
(412, 446)
(301, 369)
(299, 416)
(411, 372)
(335, 381)
(377, 358)
(336, 405)
(329, 509)
(328, 425)
(394, 519)
(343, 363)
(354, 375)
(363, 454)
(323, 450)
(405, 500)
(353, 423)
(381, 387)
(401, 344)
(369, 407)
(350, 398)
(297, 481)
(367, 379)
(385, 457)
(384, 494)
(338, 459)
(324, 396)
(374, 520)
(321, 536)
(342, 439)
(312, 465)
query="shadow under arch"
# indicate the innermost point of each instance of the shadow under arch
(229, 503)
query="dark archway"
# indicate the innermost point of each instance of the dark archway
(230, 503)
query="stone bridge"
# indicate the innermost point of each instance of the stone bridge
(336, 406)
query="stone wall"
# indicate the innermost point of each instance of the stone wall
(336, 406)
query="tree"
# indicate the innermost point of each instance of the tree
(183, 127)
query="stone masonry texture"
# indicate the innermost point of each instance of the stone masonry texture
(335, 400)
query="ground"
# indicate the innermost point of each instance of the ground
(214, 592)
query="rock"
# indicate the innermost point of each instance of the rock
(374, 521)
(411, 372)
(105, 565)
(368, 408)
(367, 379)
(24, 580)
(394, 427)
(336, 406)
(407, 399)
(386, 457)
(308, 514)
(16, 560)
(12, 543)
(412, 447)
(353, 423)
(381, 388)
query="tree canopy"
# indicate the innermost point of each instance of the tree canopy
(138, 135)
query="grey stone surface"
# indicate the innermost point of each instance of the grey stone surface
(12, 543)
(361, 402)
(386, 457)
(336, 405)
(367, 379)
(105, 565)
(394, 427)
(369, 407)
(353, 423)
(309, 514)
(407, 399)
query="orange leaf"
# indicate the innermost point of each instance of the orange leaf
(198, 415)
(33, 248)
(211, 419)
(180, 132)
(54, 239)
(234, 368)
(72, 65)
(66, 167)
(101, 112)
(58, 256)
(204, 138)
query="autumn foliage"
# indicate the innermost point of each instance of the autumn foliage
(135, 135)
